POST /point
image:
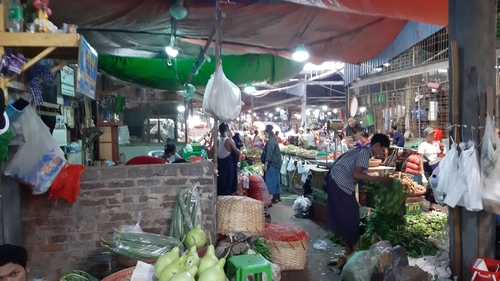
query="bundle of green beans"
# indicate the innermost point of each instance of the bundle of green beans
(140, 245)
(78, 275)
(187, 213)
(260, 247)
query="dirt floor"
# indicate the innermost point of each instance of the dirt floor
(316, 267)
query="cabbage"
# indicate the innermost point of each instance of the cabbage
(195, 237)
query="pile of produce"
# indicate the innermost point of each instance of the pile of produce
(140, 245)
(257, 169)
(173, 266)
(254, 152)
(417, 234)
(291, 149)
(187, 212)
(411, 187)
(309, 154)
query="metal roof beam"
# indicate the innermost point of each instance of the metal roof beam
(326, 83)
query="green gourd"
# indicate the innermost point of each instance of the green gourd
(165, 260)
(176, 267)
(208, 260)
(214, 273)
(195, 237)
(186, 275)
(192, 258)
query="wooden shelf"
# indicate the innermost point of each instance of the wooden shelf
(35, 47)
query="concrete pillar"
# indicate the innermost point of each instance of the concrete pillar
(472, 25)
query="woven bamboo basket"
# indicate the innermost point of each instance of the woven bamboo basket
(240, 214)
(289, 255)
(123, 275)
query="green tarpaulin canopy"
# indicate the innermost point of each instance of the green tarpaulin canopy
(240, 69)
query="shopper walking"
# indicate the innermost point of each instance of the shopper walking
(228, 156)
(271, 157)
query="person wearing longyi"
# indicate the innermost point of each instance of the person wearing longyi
(228, 156)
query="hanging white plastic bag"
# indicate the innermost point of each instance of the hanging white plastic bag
(305, 173)
(490, 168)
(291, 165)
(284, 165)
(447, 177)
(133, 228)
(40, 159)
(222, 98)
(469, 175)
(300, 169)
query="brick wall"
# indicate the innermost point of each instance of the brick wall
(60, 236)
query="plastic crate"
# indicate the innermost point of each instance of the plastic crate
(413, 209)
(493, 272)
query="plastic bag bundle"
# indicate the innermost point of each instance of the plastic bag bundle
(467, 189)
(284, 165)
(136, 228)
(490, 165)
(141, 245)
(40, 159)
(187, 212)
(301, 206)
(222, 98)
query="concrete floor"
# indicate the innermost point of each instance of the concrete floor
(316, 267)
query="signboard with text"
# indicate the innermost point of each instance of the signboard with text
(87, 69)
(68, 81)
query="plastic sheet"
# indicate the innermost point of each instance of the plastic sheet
(67, 183)
(142, 245)
(222, 98)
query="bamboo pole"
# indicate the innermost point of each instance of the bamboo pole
(218, 23)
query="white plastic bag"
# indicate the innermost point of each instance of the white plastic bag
(222, 98)
(448, 168)
(133, 228)
(490, 168)
(291, 165)
(469, 178)
(305, 173)
(40, 159)
(300, 168)
(284, 165)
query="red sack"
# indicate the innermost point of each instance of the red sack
(258, 190)
(415, 159)
(67, 183)
(412, 166)
(145, 160)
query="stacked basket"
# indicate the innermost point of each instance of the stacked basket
(240, 214)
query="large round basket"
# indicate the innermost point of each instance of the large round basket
(123, 275)
(289, 255)
(240, 214)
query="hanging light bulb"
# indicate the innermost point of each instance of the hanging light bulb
(335, 111)
(181, 108)
(171, 52)
(249, 88)
(325, 107)
(300, 54)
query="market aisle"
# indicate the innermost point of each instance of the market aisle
(316, 268)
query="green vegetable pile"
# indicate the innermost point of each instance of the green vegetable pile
(419, 235)
(78, 275)
(260, 247)
(243, 164)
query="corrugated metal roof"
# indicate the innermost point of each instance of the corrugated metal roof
(410, 35)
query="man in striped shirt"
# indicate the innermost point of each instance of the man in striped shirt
(342, 208)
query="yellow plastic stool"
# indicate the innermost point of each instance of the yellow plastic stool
(243, 265)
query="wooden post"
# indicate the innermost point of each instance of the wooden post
(218, 41)
(472, 25)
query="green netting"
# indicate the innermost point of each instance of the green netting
(155, 73)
